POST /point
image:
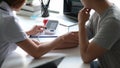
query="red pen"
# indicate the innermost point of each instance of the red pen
(45, 21)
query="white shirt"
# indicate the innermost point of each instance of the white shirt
(10, 31)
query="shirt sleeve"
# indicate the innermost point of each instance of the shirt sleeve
(108, 33)
(88, 29)
(12, 31)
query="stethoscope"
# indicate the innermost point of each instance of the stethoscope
(3, 9)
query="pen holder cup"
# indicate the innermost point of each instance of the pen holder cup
(44, 12)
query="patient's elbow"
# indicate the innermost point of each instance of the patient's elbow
(36, 55)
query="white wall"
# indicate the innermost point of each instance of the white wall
(116, 2)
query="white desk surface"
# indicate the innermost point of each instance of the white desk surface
(19, 60)
(72, 59)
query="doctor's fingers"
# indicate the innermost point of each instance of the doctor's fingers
(40, 27)
(70, 37)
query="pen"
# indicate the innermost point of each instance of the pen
(31, 36)
(67, 25)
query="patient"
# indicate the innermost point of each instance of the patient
(103, 28)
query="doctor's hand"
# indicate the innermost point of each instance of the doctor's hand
(36, 29)
(69, 40)
(83, 15)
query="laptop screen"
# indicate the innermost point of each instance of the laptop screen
(71, 8)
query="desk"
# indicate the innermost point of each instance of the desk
(72, 59)
(18, 60)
